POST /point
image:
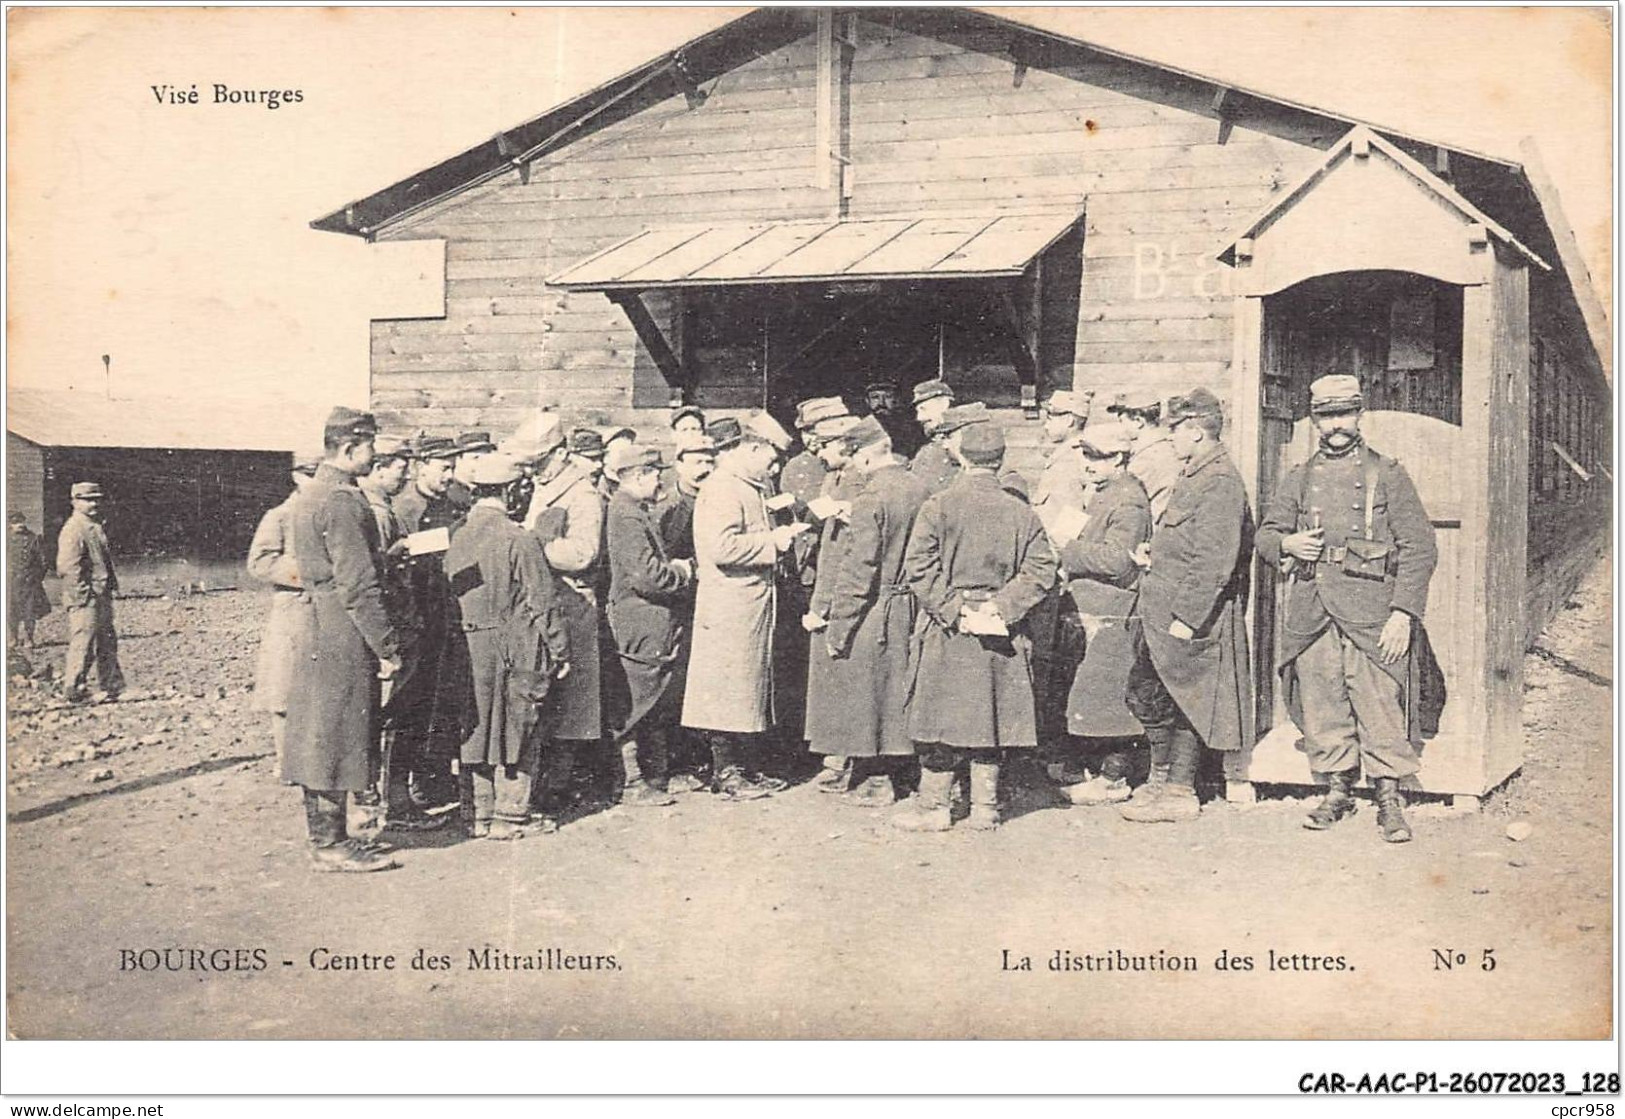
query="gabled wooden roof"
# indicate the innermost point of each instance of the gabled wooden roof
(684, 69)
(1362, 136)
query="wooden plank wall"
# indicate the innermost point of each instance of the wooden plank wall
(937, 127)
(25, 483)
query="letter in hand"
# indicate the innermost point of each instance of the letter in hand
(561, 670)
(389, 669)
(784, 534)
(812, 623)
(1179, 630)
(1306, 546)
(1142, 555)
(1395, 640)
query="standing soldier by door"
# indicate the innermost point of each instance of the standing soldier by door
(85, 564)
(1358, 550)
(977, 562)
(931, 462)
(332, 741)
(286, 637)
(1191, 684)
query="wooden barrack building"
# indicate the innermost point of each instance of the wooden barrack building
(807, 198)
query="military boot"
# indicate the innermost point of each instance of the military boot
(1391, 811)
(1175, 801)
(930, 810)
(1337, 804)
(984, 795)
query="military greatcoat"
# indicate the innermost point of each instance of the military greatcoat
(934, 466)
(871, 623)
(730, 679)
(1319, 595)
(1201, 556)
(507, 620)
(285, 640)
(827, 682)
(1102, 580)
(648, 596)
(25, 586)
(567, 515)
(332, 734)
(974, 543)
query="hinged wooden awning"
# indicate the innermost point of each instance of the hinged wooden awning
(821, 251)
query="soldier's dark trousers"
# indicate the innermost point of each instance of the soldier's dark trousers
(324, 816)
(92, 644)
(644, 755)
(1173, 741)
(1352, 712)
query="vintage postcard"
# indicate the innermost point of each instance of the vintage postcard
(811, 523)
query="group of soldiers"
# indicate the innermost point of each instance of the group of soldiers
(516, 627)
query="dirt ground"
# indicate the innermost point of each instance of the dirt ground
(157, 823)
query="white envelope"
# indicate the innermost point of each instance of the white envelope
(428, 542)
(780, 501)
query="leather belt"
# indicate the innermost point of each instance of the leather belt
(474, 627)
(888, 590)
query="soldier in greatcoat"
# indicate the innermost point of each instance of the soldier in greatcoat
(1101, 579)
(1057, 648)
(1191, 683)
(332, 737)
(868, 623)
(825, 681)
(939, 467)
(694, 457)
(1153, 460)
(1358, 550)
(421, 737)
(880, 401)
(805, 478)
(84, 562)
(26, 600)
(932, 464)
(648, 599)
(977, 562)
(470, 445)
(567, 515)
(515, 648)
(286, 636)
(729, 694)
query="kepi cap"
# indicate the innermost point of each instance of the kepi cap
(493, 469)
(474, 442)
(765, 427)
(1335, 393)
(929, 390)
(537, 435)
(1105, 440)
(434, 446)
(983, 444)
(587, 442)
(867, 432)
(724, 432)
(693, 443)
(347, 423)
(611, 434)
(1197, 402)
(818, 409)
(388, 446)
(961, 415)
(1068, 403)
(1136, 400)
(86, 490)
(682, 410)
(627, 456)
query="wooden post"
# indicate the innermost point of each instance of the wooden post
(648, 331)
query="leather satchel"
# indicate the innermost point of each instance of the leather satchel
(1367, 558)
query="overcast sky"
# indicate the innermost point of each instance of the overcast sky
(175, 237)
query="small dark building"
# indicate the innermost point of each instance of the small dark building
(171, 493)
(807, 198)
